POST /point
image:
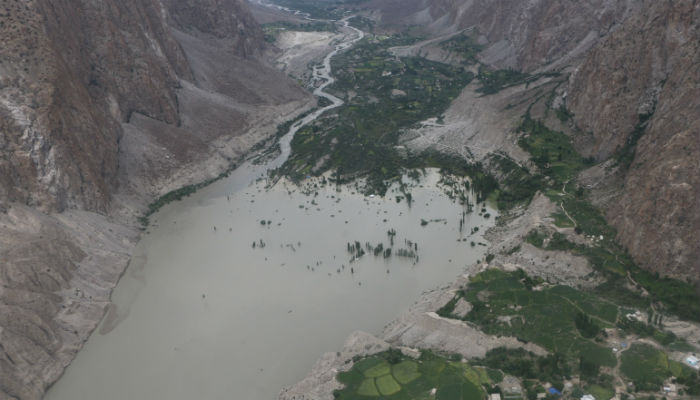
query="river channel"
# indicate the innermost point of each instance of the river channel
(238, 289)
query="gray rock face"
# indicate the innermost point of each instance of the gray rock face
(72, 71)
(222, 18)
(525, 35)
(103, 106)
(649, 69)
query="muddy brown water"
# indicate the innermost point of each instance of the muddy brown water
(202, 314)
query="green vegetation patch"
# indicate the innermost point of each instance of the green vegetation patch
(600, 392)
(368, 388)
(378, 370)
(387, 385)
(517, 185)
(389, 94)
(405, 372)
(407, 378)
(559, 318)
(605, 254)
(646, 366)
(552, 152)
(554, 155)
(562, 221)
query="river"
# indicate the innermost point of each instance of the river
(236, 290)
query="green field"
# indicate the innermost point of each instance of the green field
(546, 316)
(392, 376)
(646, 366)
(600, 392)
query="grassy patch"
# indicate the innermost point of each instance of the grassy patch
(368, 388)
(405, 372)
(378, 370)
(387, 385)
(646, 366)
(407, 378)
(599, 392)
(562, 221)
(552, 152)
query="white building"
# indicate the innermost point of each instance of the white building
(587, 397)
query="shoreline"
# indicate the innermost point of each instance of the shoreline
(138, 229)
(138, 225)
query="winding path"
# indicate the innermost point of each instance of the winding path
(320, 73)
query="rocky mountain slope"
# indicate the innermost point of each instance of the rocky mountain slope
(629, 77)
(103, 107)
(638, 92)
(524, 35)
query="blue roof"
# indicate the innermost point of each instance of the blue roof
(554, 391)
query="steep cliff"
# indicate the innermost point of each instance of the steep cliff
(638, 95)
(221, 18)
(72, 71)
(104, 105)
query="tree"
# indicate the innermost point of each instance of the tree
(586, 326)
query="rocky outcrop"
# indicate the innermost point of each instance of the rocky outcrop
(72, 71)
(649, 70)
(103, 106)
(222, 18)
(525, 35)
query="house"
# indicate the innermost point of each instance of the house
(692, 361)
(542, 395)
(495, 396)
(587, 397)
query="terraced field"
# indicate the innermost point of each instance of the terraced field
(390, 375)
